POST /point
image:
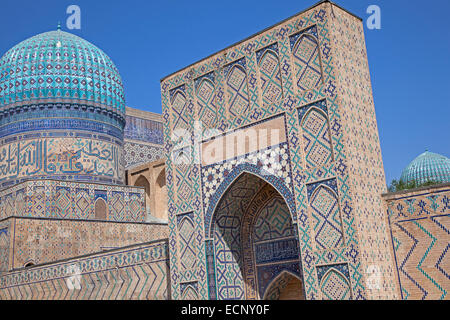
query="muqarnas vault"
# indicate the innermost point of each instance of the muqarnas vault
(102, 193)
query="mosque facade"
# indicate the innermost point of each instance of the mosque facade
(261, 179)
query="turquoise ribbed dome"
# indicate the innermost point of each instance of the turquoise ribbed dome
(62, 112)
(428, 167)
(57, 66)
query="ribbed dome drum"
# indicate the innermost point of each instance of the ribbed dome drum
(427, 167)
(62, 111)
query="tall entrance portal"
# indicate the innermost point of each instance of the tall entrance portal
(256, 244)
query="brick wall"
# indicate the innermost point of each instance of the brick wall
(420, 227)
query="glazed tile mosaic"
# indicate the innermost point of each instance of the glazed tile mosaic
(138, 272)
(72, 200)
(46, 240)
(266, 161)
(420, 227)
(293, 70)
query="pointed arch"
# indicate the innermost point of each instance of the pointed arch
(189, 293)
(142, 181)
(242, 268)
(161, 180)
(161, 196)
(335, 286)
(30, 263)
(176, 93)
(232, 177)
(285, 286)
(268, 237)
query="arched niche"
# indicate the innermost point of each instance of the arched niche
(161, 196)
(246, 264)
(286, 286)
(142, 181)
(101, 209)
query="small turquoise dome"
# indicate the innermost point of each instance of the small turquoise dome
(427, 167)
(57, 66)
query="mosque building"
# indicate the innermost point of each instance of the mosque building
(280, 194)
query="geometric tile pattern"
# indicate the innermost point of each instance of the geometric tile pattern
(254, 239)
(206, 97)
(187, 248)
(63, 202)
(305, 50)
(270, 163)
(334, 282)
(420, 226)
(116, 205)
(5, 237)
(327, 223)
(143, 138)
(140, 153)
(313, 55)
(233, 229)
(71, 200)
(139, 272)
(273, 222)
(269, 67)
(145, 130)
(47, 240)
(316, 134)
(274, 245)
(237, 88)
(227, 237)
(183, 176)
(363, 158)
(83, 204)
(180, 106)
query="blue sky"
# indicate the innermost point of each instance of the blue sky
(147, 40)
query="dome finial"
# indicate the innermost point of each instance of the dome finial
(59, 26)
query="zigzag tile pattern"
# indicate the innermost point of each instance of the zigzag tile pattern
(139, 272)
(420, 225)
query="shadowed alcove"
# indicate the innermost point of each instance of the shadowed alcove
(256, 247)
